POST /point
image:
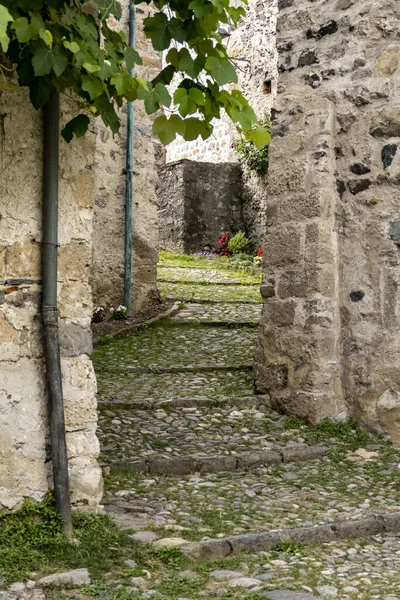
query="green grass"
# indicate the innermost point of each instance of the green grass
(31, 540)
(347, 433)
(169, 259)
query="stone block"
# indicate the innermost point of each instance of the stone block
(389, 60)
(270, 377)
(138, 466)
(303, 453)
(386, 124)
(309, 535)
(74, 260)
(75, 577)
(215, 464)
(282, 247)
(172, 466)
(75, 339)
(280, 314)
(256, 459)
(86, 482)
(358, 529)
(207, 549)
(391, 522)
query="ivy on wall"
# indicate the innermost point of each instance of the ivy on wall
(70, 45)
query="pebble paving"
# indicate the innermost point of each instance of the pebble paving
(175, 414)
(165, 345)
(192, 292)
(191, 431)
(358, 485)
(170, 414)
(136, 388)
(221, 312)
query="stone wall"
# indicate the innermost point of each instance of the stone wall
(252, 46)
(328, 343)
(25, 468)
(198, 202)
(109, 210)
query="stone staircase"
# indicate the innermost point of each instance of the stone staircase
(178, 396)
(191, 453)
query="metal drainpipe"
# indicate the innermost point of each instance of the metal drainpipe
(129, 178)
(51, 122)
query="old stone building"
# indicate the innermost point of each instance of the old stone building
(24, 436)
(109, 208)
(328, 342)
(92, 173)
(201, 174)
(329, 339)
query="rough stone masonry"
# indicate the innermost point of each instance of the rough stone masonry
(109, 209)
(25, 453)
(329, 341)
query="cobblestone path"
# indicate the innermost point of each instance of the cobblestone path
(191, 453)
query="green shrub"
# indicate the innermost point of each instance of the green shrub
(248, 153)
(239, 243)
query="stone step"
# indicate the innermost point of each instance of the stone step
(168, 345)
(218, 463)
(206, 276)
(199, 293)
(329, 489)
(181, 369)
(128, 435)
(378, 524)
(221, 282)
(224, 313)
(189, 402)
(118, 387)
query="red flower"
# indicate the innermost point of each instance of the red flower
(259, 251)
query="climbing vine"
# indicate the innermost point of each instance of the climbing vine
(251, 155)
(62, 45)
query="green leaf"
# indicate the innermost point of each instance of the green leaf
(197, 7)
(178, 123)
(107, 112)
(46, 36)
(46, 60)
(22, 29)
(194, 128)
(76, 127)
(71, 46)
(165, 129)
(197, 96)
(93, 86)
(42, 61)
(222, 71)
(91, 68)
(40, 91)
(259, 136)
(60, 61)
(162, 94)
(173, 57)
(245, 116)
(176, 30)
(187, 107)
(179, 95)
(156, 28)
(132, 58)
(187, 64)
(5, 19)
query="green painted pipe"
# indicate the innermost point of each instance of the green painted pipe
(129, 174)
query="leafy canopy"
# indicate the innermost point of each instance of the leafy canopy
(62, 45)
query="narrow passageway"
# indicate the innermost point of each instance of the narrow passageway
(156, 387)
(191, 454)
